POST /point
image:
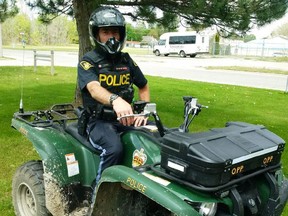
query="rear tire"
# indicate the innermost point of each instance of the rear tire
(182, 54)
(28, 191)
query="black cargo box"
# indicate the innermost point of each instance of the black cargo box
(219, 155)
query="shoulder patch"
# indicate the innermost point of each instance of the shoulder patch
(86, 65)
(134, 63)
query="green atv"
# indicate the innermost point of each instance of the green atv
(234, 170)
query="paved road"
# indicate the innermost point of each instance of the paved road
(175, 67)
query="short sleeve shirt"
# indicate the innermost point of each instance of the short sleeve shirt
(113, 74)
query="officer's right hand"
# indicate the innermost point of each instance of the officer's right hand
(122, 108)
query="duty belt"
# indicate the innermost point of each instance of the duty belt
(102, 112)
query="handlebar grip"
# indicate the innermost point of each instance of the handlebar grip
(202, 106)
(131, 115)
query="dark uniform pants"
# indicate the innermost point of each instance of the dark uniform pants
(105, 136)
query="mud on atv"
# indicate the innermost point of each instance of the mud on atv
(234, 170)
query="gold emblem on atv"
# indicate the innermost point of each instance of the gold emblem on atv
(86, 65)
(139, 158)
(237, 170)
(23, 131)
(268, 160)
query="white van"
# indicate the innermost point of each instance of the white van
(182, 43)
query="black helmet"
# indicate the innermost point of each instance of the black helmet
(107, 17)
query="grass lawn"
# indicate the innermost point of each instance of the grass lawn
(41, 90)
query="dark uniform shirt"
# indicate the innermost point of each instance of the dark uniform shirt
(115, 75)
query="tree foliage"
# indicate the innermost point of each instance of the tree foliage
(136, 33)
(229, 17)
(60, 31)
(249, 37)
(21, 24)
(8, 9)
(281, 30)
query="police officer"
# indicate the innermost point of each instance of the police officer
(105, 77)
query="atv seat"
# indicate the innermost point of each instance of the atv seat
(73, 131)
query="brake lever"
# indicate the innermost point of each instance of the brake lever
(133, 115)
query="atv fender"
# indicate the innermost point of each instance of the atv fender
(128, 179)
(137, 140)
(54, 148)
(40, 138)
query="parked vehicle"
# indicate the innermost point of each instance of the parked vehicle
(182, 43)
(234, 170)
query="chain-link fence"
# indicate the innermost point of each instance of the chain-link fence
(250, 49)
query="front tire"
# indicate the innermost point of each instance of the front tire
(28, 191)
(157, 52)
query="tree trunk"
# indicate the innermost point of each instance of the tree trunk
(82, 11)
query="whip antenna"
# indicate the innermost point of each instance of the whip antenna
(21, 108)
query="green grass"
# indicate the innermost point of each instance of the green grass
(266, 58)
(255, 58)
(41, 90)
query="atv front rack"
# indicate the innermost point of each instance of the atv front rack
(58, 113)
(277, 198)
(155, 168)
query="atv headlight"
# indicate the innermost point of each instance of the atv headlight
(208, 209)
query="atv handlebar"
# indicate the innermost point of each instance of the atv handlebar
(191, 109)
(132, 115)
(149, 108)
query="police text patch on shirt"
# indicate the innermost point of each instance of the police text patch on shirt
(86, 65)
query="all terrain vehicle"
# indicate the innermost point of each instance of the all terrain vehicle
(234, 170)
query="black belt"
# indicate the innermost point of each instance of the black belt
(102, 112)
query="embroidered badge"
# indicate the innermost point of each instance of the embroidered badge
(86, 65)
(135, 64)
(139, 158)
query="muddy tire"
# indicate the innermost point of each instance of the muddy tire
(28, 191)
